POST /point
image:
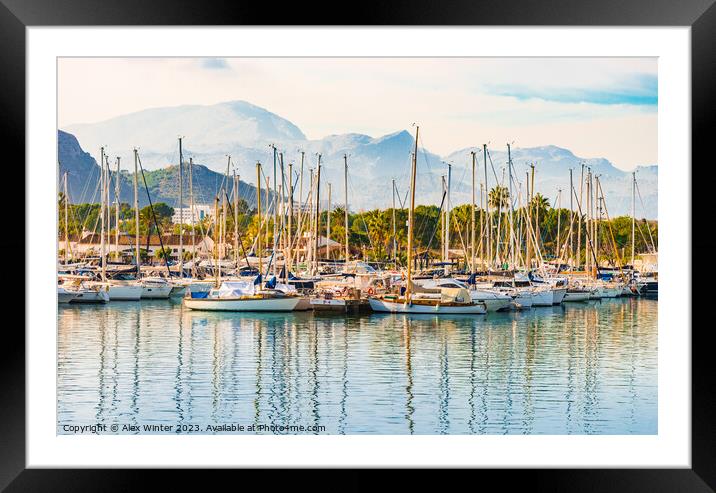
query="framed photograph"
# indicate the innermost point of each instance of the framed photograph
(430, 239)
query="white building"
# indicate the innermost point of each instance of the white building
(183, 215)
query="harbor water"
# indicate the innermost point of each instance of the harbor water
(156, 367)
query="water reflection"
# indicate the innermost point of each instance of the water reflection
(581, 368)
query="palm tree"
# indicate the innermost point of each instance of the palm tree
(499, 198)
(539, 202)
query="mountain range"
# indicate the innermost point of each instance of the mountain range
(246, 132)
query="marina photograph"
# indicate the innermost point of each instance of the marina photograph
(357, 246)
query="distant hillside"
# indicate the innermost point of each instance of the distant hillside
(246, 131)
(163, 184)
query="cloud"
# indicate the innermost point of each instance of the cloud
(637, 90)
(214, 63)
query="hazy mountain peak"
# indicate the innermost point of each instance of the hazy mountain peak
(246, 131)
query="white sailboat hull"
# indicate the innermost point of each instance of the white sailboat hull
(177, 291)
(523, 299)
(542, 297)
(493, 301)
(304, 304)
(91, 296)
(558, 295)
(384, 306)
(611, 292)
(576, 296)
(65, 296)
(125, 292)
(156, 292)
(283, 304)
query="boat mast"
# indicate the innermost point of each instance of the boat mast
(191, 213)
(116, 212)
(559, 217)
(236, 220)
(487, 209)
(447, 222)
(136, 214)
(289, 264)
(395, 240)
(281, 208)
(275, 209)
(472, 218)
(102, 213)
(511, 211)
(318, 214)
(482, 226)
(345, 208)
(67, 236)
(181, 211)
(571, 216)
(633, 215)
(328, 224)
(579, 219)
(410, 218)
(443, 214)
(258, 200)
(217, 272)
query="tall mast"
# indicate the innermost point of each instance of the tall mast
(395, 242)
(275, 210)
(511, 210)
(67, 236)
(472, 218)
(236, 220)
(443, 214)
(191, 213)
(258, 200)
(217, 271)
(587, 260)
(181, 211)
(579, 219)
(282, 209)
(328, 223)
(116, 212)
(225, 207)
(136, 214)
(571, 215)
(410, 217)
(102, 213)
(559, 217)
(300, 187)
(345, 208)
(633, 214)
(289, 265)
(447, 216)
(487, 208)
(318, 213)
(482, 224)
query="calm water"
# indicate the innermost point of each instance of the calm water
(577, 369)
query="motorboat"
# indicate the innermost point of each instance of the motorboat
(84, 292)
(454, 301)
(155, 288)
(493, 298)
(65, 295)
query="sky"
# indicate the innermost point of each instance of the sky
(596, 107)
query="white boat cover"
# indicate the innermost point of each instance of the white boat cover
(285, 288)
(233, 289)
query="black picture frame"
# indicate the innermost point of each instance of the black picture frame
(16, 15)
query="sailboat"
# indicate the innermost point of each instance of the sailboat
(116, 288)
(243, 296)
(445, 301)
